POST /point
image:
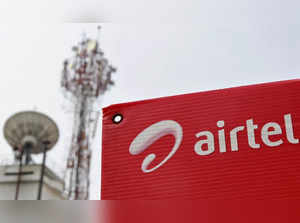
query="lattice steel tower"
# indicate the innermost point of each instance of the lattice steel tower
(85, 77)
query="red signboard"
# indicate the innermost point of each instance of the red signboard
(233, 143)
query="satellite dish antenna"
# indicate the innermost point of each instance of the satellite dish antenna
(30, 133)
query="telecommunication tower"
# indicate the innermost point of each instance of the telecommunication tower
(85, 77)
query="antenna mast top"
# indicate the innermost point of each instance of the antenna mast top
(87, 73)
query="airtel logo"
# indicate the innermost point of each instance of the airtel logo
(169, 127)
(150, 135)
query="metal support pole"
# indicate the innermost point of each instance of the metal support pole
(42, 173)
(19, 176)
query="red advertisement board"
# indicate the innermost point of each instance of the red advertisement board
(236, 143)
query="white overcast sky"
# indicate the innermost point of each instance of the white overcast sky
(160, 48)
